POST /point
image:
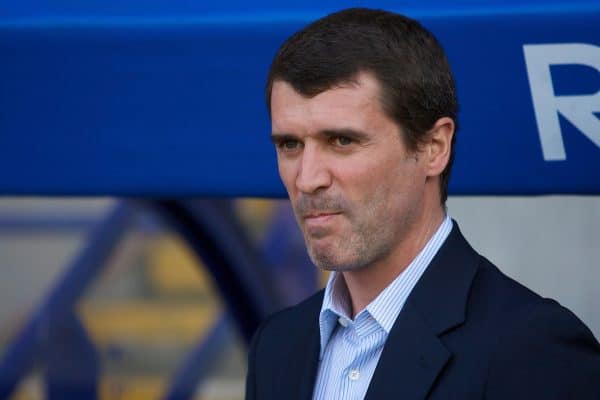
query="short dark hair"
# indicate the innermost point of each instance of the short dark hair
(406, 59)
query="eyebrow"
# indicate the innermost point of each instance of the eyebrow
(329, 133)
(347, 132)
(278, 137)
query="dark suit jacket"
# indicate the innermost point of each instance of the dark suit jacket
(466, 332)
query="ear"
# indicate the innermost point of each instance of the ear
(439, 145)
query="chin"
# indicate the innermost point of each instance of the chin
(332, 254)
(330, 261)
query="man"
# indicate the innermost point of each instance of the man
(363, 110)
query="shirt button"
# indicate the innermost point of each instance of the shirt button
(354, 375)
(343, 322)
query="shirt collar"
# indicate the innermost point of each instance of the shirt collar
(336, 304)
(388, 304)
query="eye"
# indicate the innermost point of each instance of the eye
(288, 144)
(342, 141)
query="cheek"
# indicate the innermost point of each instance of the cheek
(367, 175)
(384, 185)
(362, 187)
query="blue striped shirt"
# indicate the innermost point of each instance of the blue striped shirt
(350, 349)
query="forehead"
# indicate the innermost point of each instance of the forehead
(355, 104)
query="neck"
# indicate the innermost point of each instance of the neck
(365, 284)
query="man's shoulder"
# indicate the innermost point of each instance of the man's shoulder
(288, 330)
(302, 314)
(292, 323)
(520, 344)
(496, 303)
(499, 296)
(525, 318)
(496, 289)
(539, 345)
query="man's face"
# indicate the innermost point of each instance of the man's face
(355, 188)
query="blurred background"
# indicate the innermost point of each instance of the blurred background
(153, 302)
(148, 307)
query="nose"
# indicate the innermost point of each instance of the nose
(313, 173)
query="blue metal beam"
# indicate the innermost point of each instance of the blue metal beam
(212, 231)
(72, 366)
(202, 358)
(58, 304)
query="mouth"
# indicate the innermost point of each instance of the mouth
(319, 218)
(319, 214)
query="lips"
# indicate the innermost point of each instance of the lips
(319, 214)
(319, 219)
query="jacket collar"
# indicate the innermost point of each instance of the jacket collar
(413, 355)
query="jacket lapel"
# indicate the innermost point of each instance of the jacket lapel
(410, 361)
(308, 365)
(414, 355)
(296, 379)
